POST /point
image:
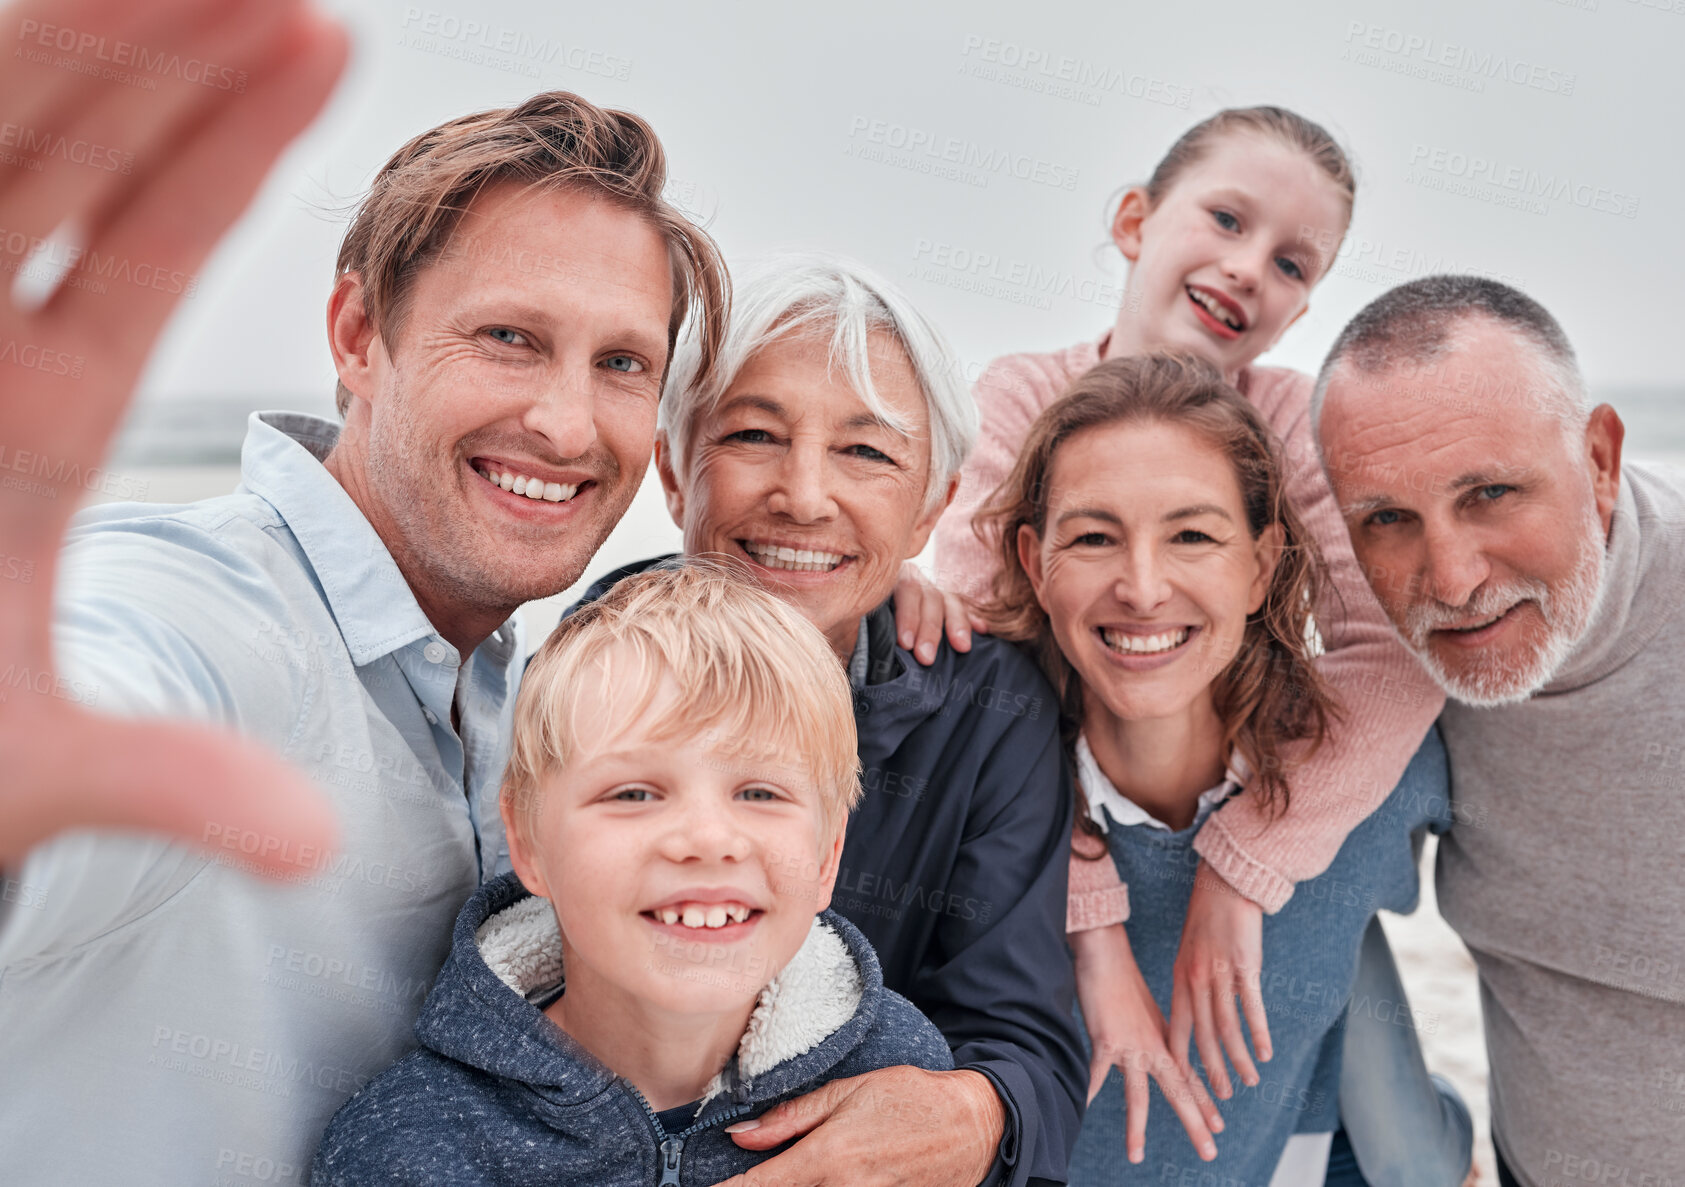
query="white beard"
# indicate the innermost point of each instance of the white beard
(1488, 680)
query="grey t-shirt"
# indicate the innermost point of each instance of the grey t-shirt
(1565, 875)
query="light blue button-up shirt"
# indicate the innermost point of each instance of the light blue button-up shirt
(165, 1017)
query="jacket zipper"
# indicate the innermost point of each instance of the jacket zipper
(673, 1146)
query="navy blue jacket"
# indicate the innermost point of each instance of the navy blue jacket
(956, 868)
(498, 1094)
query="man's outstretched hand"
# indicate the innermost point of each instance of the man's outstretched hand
(136, 134)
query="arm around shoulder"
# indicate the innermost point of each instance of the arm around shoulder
(1387, 703)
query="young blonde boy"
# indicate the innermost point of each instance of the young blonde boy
(662, 963)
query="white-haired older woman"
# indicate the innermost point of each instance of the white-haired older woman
(819, 459)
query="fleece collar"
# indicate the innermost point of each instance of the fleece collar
(818, 991)
(484, 1010)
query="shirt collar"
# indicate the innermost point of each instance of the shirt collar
(873, 658)
(861, 657)
(281, 461)
(1104, 799)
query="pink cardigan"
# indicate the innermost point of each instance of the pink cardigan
(1387, 698)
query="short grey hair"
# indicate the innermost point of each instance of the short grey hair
(815, 293)
(1420, 322)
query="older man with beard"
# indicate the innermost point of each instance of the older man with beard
(1540, 583)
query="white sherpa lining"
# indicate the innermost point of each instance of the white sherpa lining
(818, 991)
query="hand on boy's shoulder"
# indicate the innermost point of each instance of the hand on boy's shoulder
(895, 1127)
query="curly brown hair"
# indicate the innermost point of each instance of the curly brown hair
(1275, 707)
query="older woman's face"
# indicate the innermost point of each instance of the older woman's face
(792, 475)
(1147, 570)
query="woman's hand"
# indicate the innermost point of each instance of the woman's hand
(922, 612)
(1126, 1028)
(1221, 956)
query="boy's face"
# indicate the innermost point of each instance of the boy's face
(641, 845)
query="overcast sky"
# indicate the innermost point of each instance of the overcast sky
(1531, 140)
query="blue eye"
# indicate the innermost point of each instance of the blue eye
(1290, 268)
(624, 363)
(1384, 518)
(867, 452)
(632, 795)
(758, 794)
(507, 336)
(1226, 220)
(1494, 491)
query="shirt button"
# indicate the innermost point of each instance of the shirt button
(432, 718)
(435, 652)
(862, 705)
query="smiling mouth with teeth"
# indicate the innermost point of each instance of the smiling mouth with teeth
(532, 488)
(798, 560)
(1126, 644)
(1215, 308)
(703, 916)
(1479, 626)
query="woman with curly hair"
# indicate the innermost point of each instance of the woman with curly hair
(1151, 561)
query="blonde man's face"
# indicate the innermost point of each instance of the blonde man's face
(510, 422)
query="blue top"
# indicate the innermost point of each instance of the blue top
(956, 866)
(1310, 962)
(212, 1021)
(500, 1095)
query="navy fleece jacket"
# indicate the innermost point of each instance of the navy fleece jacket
(955, 867)
(498, 1094)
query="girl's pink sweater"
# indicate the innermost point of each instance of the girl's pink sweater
(1387, 699)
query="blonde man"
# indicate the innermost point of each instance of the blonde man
(506, 302)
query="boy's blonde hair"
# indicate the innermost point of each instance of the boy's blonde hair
(753, 676)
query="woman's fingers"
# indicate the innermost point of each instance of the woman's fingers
(1228, 1030)
(1181, 1017)
(956, 611)
(1099, 1067)
(1135, 1098)
(1252, 1002)
(1210, 1050)
(924, 612)
(1180, 1088)
(1202, 1100)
